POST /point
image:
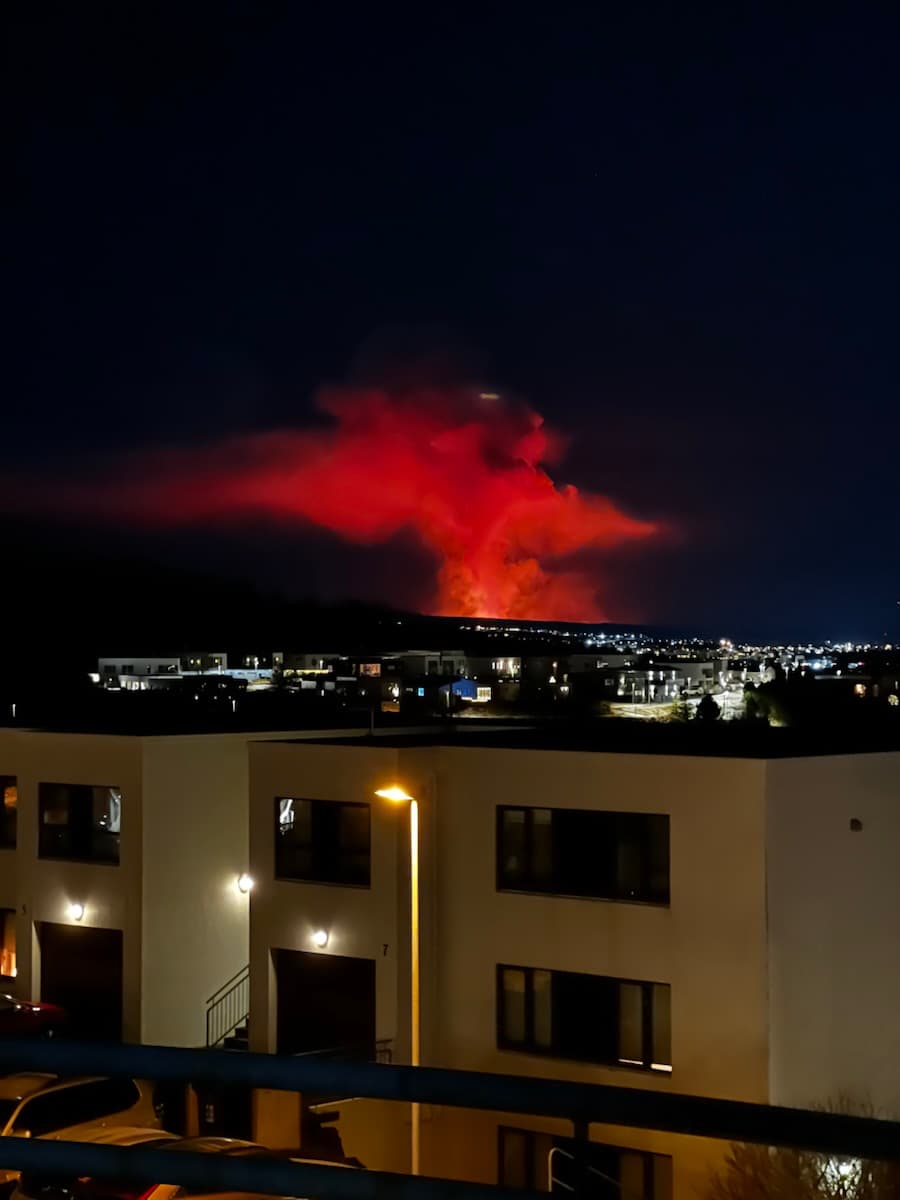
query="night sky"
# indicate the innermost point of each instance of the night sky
(672, 233)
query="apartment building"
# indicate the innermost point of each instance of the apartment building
(723, 926)
(124, 876)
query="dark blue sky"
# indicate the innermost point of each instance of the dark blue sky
(673, 231)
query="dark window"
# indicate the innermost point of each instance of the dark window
(578, 852)
(587, 1018)
(614, 1172)
(79, 822)
(9, 798)
(322, 841)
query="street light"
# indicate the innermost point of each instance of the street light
(398, 796)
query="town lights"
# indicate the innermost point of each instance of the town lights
(75, 911)
(244, 883)
(320, 939)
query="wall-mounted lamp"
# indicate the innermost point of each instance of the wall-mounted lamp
(244, 883)
(320, 938)
(75, 911)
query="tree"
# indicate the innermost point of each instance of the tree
(770, 1173)
(778, 1173)
(708, 710)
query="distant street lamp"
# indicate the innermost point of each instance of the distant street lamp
(398, 796)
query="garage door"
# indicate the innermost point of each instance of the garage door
(325, 1002)
(81, 970)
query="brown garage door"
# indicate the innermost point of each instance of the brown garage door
(325, 1002)
(81, 970)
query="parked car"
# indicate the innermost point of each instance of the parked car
(28, 1018)
(233, 1147)
(47, 1106)
(37, 1186)
(33, 1186)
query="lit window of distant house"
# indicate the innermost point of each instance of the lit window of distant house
(322, 841)
(80, 822)
(8, 811)
(8, 943)
(580, 852)
(587, 1018)
(372, 669)
(542, 1162)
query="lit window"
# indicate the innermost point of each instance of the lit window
(8, 943)
(8, 813)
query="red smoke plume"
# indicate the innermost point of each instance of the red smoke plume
(464, 474)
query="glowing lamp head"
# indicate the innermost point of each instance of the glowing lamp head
(320, 939)
(244, 883)
(394, 793)
(75, 911)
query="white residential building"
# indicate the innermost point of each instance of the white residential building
(119, 865)
(719, 926)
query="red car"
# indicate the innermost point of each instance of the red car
(24, 1018)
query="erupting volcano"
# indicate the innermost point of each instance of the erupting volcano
(464, 472)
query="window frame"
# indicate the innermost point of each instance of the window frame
(557, 885)
(535, 1181)
(85, 831)
(9, 819)
(319, 876)
(9, 914)
(531, 1045)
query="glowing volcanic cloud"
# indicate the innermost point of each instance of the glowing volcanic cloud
(464, 473)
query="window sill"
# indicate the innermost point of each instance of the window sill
(628, 1068)
(355, 887)
(91, 862)
(510, 891)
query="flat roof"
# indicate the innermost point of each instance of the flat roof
(723, 739)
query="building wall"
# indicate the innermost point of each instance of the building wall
(709, 945)
(361, 922)
(195, 920)
(834, 925)
(44, 888)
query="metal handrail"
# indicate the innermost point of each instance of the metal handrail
(590, 1170)
(228, 1009)
(245, 970)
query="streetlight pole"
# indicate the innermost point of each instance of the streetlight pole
(399, 796)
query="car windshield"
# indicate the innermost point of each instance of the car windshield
(7, 1108)
(7, 1001)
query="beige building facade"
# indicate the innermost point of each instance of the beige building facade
(726, 895)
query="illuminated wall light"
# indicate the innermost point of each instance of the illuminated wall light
(75, 911)
(320, 939)
(244, 883)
